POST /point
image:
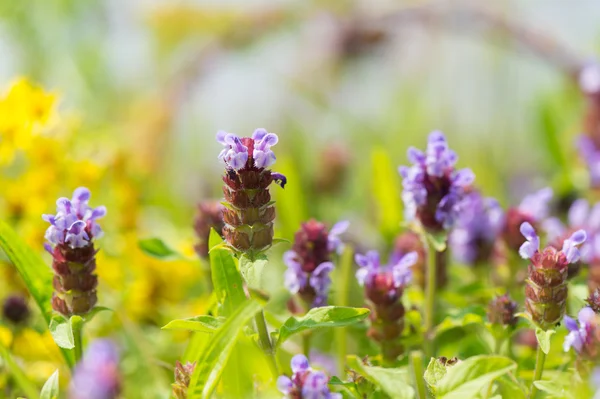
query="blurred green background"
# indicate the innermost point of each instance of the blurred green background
(144, 85)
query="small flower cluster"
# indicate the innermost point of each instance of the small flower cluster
(305, 382)
(210, 215)
(249, 211)
(97, 375)
(433, 188)
(546, 290)
(384, 286)
(477, 228)
(533, 209)
(309, 261)
(183, 376)
(580, 217)
(70, 243)
(585, 336)
(502, 310)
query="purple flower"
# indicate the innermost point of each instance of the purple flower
(235, 154)
(433, 188)
(97, 375)
(388, 279)
(305, 383)
(589, 78)
(477, 229)
(536, 205)
(74, 222)
(590, 153)
(309, 261)
(583, 337)
(262, 154)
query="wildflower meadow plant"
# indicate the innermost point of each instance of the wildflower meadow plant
(305, 383)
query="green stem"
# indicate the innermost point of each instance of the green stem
(539, 369)
(430, 300)
(77, 327)
(306, 344)
(265, 342)
(416, 359)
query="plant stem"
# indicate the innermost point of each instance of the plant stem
(539, 369)
(416, 359)
(265, 342)
(77, 328)
(306, 344)
(430, 300)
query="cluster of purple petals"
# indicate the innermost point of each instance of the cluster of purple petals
(419, 180)
(581, 335)
(75, 221)
(591, 156)
(580, 216)
(537, 205)
(235, 153)
(296, 279)
(370, 267)
(97, 375)
(532, 245)
(476, 229)
(305, 383)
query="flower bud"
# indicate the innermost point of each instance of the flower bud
(15, 309)
(210, 215)
(70, 242)
(501, 311)
(249, 211)
(546, 289)
(183, 376)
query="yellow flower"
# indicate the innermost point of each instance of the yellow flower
(24, 110)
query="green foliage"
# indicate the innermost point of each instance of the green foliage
(386, 191)
(467, 378)
(327, 316)
(50, 390)
(543, 338)
(156, 248)
(206, 324)
(215, 354)
(395, 382)
(434, 373)
(17, 373)
(252, 269)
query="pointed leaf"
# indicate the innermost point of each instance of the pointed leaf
(327, 316)
(252, 269)
(206, 324)
(434, 373)
(213, 358)
(468, 377)
(543, 338)
(50, 388)
(62, 332)
(156, 248)
(394, 382)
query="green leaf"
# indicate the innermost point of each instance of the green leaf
(213, 358)
(393, 381)
(206, 324)
(554, 388)
(386, 190)
(156, 248)
(327, 316)
(50, 388)
(434, 373)
(543, 338)
(95, 310)
(437, 240)
(467, 378)
(62, 332)
(462, 318)
(252, 269)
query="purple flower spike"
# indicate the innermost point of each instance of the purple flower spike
(97, 375)
(532, 245)
(305, 383)
(432, 188)
(335, 243)
(584, 336)
(235, 154)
